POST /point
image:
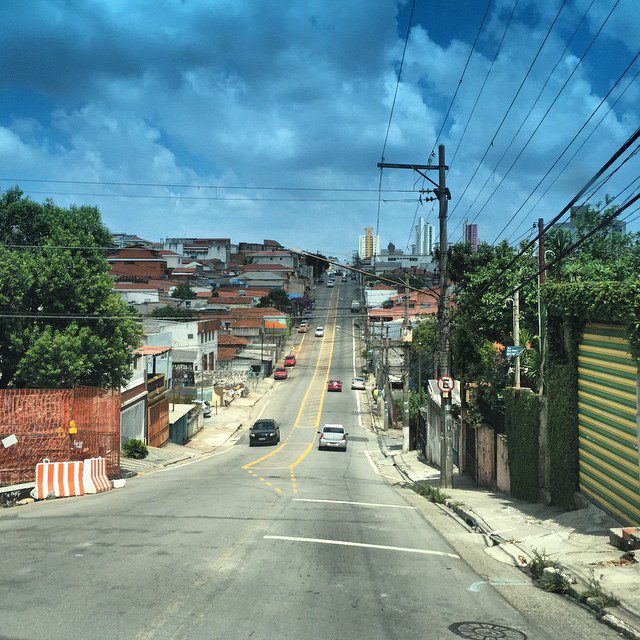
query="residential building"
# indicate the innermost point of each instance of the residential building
(201, 248)
(470, 235)
(368, 244)
(123, 240)
(137, 292)
(137, 263)
(387, 261)
(375, 296)
(273, 257)
(425, 235)
(578, 217)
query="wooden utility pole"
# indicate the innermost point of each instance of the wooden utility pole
(443, 196)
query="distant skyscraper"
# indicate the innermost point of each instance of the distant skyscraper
(470, 235)
(368, 244)
(424, 237)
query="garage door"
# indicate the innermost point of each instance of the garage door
(607, 411)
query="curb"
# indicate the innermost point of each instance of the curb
(603, 615)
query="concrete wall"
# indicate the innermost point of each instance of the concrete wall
(503, 481)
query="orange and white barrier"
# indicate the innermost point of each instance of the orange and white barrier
(95, 477)
(60, 479)
(65, 479)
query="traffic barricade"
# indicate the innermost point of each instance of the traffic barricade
(95, 475)
(59, 479)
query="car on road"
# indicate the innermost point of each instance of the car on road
(357, 384)
(265, 431)
(290, 360)
(330, 284)
(319, 332)
(280, 374)
(307, 313)
(333, 436)
(334, 385)
(303, 328)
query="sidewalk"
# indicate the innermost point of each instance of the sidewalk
(577, 540)
(158, 458)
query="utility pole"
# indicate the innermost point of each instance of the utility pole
(516, 334)
(405, 373)
(446, 464)
(443, 196)
(385, 379)
(541, 309)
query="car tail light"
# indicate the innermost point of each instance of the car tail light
(322, 436)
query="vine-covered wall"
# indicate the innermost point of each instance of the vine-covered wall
(522, 425)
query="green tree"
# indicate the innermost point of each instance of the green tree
(276, 298)
(61, 324)
(183, 291)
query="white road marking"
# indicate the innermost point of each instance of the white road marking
(346, 543)
(359, 504)
(353, 336)
(264, 406)
(372, 463)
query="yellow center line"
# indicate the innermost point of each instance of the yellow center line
(306, 395)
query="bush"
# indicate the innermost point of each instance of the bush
(562, 426)
(522, 426)
(135, 449)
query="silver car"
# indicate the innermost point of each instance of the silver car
(333, 436)
(358, 384)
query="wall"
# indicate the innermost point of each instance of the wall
(503, 482)
(485, 456)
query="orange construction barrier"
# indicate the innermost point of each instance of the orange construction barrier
(60, 479)
(95, 476)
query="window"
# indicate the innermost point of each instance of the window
(190, 336)
(413, 259)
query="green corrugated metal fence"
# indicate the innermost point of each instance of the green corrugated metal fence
(607, 427)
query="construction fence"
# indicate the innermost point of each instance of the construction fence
(40, 420)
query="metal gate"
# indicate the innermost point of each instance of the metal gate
(607, 422)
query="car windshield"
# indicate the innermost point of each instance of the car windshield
(333, 430)
(265, 425)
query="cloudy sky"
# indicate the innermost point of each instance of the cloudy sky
(295, 95)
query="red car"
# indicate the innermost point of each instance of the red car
(290, 361)
(280, 374)
(334, 385)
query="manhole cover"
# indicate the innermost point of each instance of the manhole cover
(485, 631)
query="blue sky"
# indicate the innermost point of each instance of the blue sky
(297, 95)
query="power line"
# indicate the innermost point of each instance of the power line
(484, 82)
(546, 113)
(393, 106)
(212, 198)
(506, 114)
(580, 147)
(455, 94)
(170, 185)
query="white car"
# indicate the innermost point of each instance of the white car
(333, 436)
(357, 384)
(319, 332)
(330, 284)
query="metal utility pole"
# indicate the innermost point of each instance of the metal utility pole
(405, 373)
(446, 466)
(516, 335)
(443, 196)
(385, 380)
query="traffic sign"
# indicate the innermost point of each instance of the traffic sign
(445, 384)
(513, 351)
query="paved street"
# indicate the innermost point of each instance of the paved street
(263, 543)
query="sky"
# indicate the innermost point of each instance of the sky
(190, 105)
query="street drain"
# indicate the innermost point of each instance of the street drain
(485, 631)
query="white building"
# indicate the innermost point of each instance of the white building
(425, 236)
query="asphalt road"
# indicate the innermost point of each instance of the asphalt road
(264, 543)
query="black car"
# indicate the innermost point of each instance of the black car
(264, 432)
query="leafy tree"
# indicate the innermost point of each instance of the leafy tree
(183, 291)
(41, 345)
(276, 298)
(174, 313)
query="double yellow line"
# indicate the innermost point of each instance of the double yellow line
(305, 453)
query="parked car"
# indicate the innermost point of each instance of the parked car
(333, 436)
(334, 385)
(290, 360)
(280, 374)
(265, 431)
(357, 384)
(303, 328)
(319, 332)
